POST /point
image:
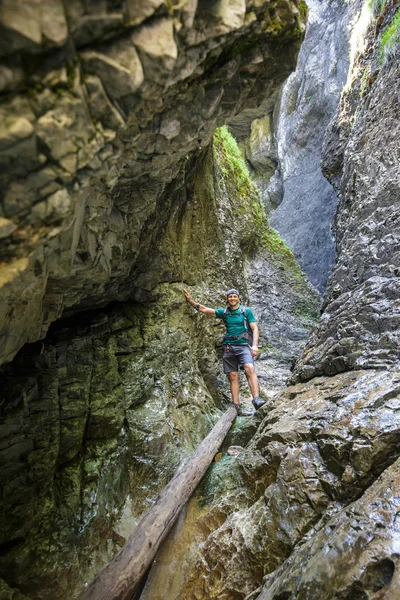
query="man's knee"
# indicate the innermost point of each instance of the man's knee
(233, 376)
(249, 369)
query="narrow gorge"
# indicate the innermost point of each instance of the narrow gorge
(150, 146)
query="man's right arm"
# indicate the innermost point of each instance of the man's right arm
(200, 307)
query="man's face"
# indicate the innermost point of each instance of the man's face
(233, 299)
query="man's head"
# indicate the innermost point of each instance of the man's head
(233, 298)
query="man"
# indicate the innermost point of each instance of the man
(237, 348)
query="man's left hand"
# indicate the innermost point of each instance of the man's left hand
(254, 351)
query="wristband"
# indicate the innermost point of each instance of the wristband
(197, 307)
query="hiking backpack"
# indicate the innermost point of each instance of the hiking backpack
(248, 334)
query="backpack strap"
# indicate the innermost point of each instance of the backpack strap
(244, 313)
(246, 321)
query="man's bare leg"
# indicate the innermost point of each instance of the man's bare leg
(252, 380)
(234, 384)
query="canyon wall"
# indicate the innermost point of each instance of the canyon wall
(284, 146)
(308, 510)
(113, 200)
(97, 416)
(101, 105)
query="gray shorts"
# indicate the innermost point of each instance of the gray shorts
(235, 356)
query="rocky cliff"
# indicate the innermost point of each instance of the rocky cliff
(101, 105)
(96, 415)
(284, 146)
(359, 327)
(308, 510)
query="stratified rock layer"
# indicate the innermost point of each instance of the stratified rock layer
(284, 145)
(360, 324)
(95, 418)
(320, 446)
(103, 105)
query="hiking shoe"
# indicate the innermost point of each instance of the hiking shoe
(246, 411)
(258, 402)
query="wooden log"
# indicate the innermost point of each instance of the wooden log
(118, 580)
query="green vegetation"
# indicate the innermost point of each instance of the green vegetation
(303, 10)
(233, 163)
(252, 225)
(364, 81)
(247, 204)
(390, 39)
(71, 69)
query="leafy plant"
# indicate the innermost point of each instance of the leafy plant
(390, 39)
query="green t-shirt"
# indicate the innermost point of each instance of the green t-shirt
(235, 322)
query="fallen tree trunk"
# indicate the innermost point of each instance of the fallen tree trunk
(118, 580)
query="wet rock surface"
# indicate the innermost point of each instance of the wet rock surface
(102, 104)
(359, 327)
(354, 554)
(309, 100)
(284, 146)
(95, 419)
(318, 448)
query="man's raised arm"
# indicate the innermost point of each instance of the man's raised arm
(200, 307)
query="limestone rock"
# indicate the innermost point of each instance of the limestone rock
(136, 11)
(117, 146)
(6, 227)
(287, 167)
(20, 23)
(319, 448)
(112, 397)
(230, 13)
(25, 26)
(323, 563)
(234, 450)
(14, 131)
(157, 42)
(117, 79)
(90, 28)
(100, 106)
(359, 325)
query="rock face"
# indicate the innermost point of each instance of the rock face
(288, 496)
(284, 147)
(101, 105)
(359, 327)
(309, 511)
(309, 101)
(95, 418)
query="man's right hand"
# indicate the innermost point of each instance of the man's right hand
(203, 309)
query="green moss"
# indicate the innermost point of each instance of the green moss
(35, 90)
(235, 164)
(253, 227)
(247, 204)
(303, 10)
(71, 67)
(390, 39)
